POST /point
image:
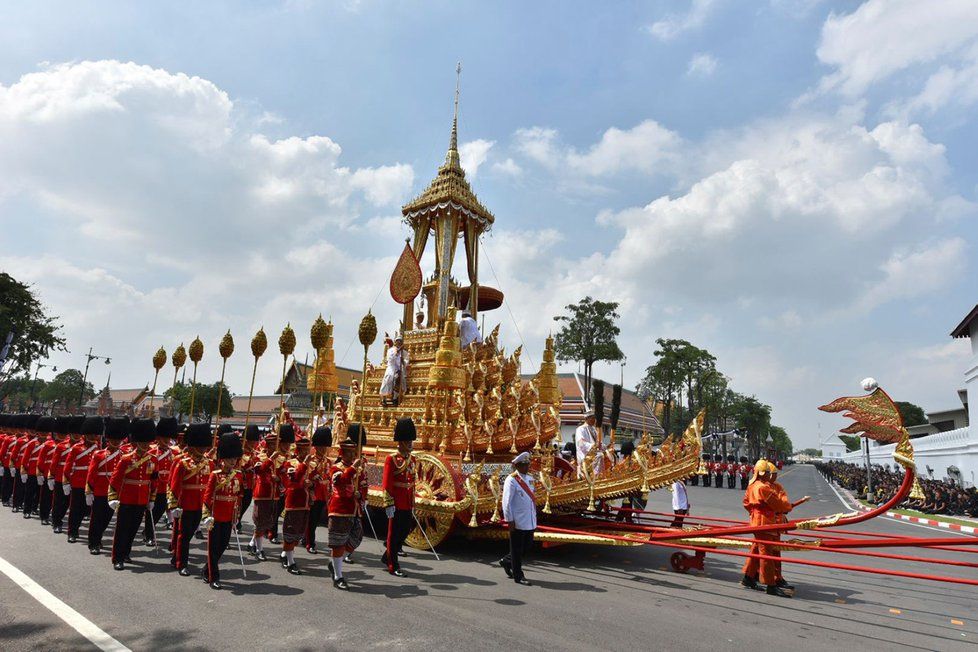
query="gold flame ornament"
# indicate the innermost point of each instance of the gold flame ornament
(225, 348)
(196, 354)
(159, 361)
(259, 343)
(286, 346)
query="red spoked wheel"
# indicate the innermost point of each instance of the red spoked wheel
(679, 562)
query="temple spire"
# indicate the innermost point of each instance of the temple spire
(452, 158)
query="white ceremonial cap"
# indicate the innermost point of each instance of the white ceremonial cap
(588, 413)
(523, 457)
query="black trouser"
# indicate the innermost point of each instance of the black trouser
(245, 504)
(519, 544)
(315, 515)
(743, 482)
(30, 495)
(44, 507)
(707, 480)
(7, 486)
(59, 505)
(718, 479)
(101, 516)
(398, 529)
(153, 517)
(279, 506)
(218, 540)
(19, 488)
(695, 481)
(77, 507)
(183, 534)
(680, 514)
(126, 528)
(731, 481)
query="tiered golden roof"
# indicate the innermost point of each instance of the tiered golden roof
(547, 378)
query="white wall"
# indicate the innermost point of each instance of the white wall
(954, 448)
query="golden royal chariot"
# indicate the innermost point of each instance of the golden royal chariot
(473, 409)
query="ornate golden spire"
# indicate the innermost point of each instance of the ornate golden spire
(452, 159)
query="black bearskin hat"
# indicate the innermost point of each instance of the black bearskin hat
(198, 435)
(229, 446)
(404, 430)
(323, 436)
(117, 427)
(167, 428)
(90, 426)
(252, 433)
(286, 433)
(142, 431)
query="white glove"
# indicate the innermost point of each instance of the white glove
(66, 488)
(51, 484)
(89, 499)
(3, 471)
(113, 505)
(149, 505)
(207, 523)
(390, 511)
(23, 477)
(176, 513)
(40, 480)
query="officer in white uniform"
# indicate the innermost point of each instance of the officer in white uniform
(468, 330)
(680, 502)
(520, 512)
(585, 438)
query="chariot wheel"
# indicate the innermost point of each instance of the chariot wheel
(436, 480)
(679, 562)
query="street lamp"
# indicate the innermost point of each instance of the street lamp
(34, 384)
(90, 356)
(622, 379)
(869, 385)
(770, 445)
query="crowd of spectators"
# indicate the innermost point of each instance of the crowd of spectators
(940, 496)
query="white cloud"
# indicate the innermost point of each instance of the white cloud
(509, 167)
(917, 273)
(473, 154)
(674, 25)
(702, 64)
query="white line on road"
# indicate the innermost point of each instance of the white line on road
(78, 622)
(889, 518)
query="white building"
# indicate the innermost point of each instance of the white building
(951, 453)
(833, 448)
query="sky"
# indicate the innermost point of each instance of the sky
(790, 185)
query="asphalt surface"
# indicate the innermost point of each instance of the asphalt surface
(583, 598)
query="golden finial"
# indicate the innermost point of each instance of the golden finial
(368, 329)
(452, 158)
(159, 359)
(226, 348)
(179, 357)
(259, 343)
(319, 333)
(196, 350)
(286, 341)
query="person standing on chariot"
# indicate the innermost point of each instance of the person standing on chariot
(395, 377)
(398, 483)
(520, 512)
(587, 437)
(349, 491)
(468, 330)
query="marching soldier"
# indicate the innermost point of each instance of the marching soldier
(251, 438)
(296, 480)
(225, 487)
(56, 470)
(132, 489)
(520, 512)
(398, 484)
(6, 477)
(16, 451)
(744, 472)
(349, 490)
(30, 453)
(166, 431)
(732, 469)
(49, 427)
(719, 468)
(266, 491)
(185, 492)
(322, 439)
(74, 475)
(100, 467)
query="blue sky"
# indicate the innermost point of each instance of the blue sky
(788, 184)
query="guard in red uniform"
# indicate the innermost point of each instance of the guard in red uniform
(22, 439)
(74, 474)
(30, 453)
(185, 492)
(132, 489)
(349, 491)
(398, 484)
(222, 497)
(322, 439)
(100, 468)
(6, 439)
(166, 432)
(66, 435)
(251, 438)
(48, 428)
(744, 473)
(296, 481)
(719, 468)
(267, 487)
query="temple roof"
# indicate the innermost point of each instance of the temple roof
(450, 186)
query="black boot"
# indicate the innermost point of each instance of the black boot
(773, 589)
(750, 583)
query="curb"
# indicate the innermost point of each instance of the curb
(954, 527)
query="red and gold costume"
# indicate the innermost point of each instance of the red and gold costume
(133, 484)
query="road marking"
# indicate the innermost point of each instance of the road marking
(957, 622)
(840, 601)
(78, 622)
(895, 611)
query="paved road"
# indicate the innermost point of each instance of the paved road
(583, 598)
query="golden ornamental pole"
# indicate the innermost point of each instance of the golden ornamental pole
(196, 353)
(225, 348)
(318, 336)
(367, 333)
(258, 345)
(286, 345)
(179, 358)
(159, 360)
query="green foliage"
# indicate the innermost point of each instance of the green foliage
(17, 393)
(36, 334)
(852, 442)
(588, 334)
(682, 370)
(205, 399)
(913, 415)
(65, 389)
(813, 452)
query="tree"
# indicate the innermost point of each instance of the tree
(35, 333)
(682, 368)
(65, 389)
(811, 452)
(17, 393)
(782, 442)
(205, 400)
(589, 334)
(913, 415)
(852, 442)
(754, 417)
